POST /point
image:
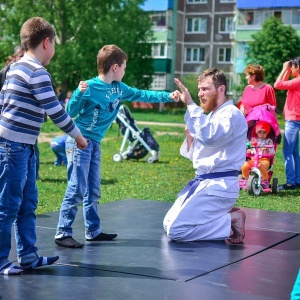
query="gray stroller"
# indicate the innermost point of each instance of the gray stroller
(140, 142)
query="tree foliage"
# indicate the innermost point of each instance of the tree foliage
(83, 27)
(272, 46)
(190, 81)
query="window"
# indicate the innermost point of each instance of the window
(257, 17)
(224, 55)
(240, 63)
(242, 48)
(196, 25)
(296, 17)
(268, 14)
(252, 17)
(195, 55)
(158, 20)
(226, 1)
(226, 24)
(291, 17)
(159, 50)
(196, 1)
(277, 14)
(159, 82)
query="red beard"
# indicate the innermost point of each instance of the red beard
(210, 104)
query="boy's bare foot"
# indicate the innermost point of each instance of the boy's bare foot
(238, 218)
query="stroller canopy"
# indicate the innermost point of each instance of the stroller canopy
(267, 114)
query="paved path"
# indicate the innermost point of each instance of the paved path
(47, 137)
(161, 124)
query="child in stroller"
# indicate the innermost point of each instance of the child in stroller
(140, 142)
(264, 136)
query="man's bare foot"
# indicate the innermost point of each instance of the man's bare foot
(238, 218)
(234, 209)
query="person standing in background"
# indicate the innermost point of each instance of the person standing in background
(291, 113)
(256, 92)
(18, 54)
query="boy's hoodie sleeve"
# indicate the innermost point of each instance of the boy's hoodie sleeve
(76, 103)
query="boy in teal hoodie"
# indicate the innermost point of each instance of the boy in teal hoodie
(95, 103)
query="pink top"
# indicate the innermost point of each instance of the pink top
(252, 98)
(291, 109)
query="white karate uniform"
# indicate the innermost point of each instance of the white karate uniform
(219, 146)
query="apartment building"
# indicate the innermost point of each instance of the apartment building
(192, 35)
(250, 16)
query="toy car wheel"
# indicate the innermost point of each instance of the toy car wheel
(117, 158)
(252, 186)
(274, 185)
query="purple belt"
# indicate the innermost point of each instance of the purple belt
(192, 185)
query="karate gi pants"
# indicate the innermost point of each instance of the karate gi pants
(203, 216)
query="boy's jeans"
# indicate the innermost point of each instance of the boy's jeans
(291, 151)
(18, 200)
(83, 187)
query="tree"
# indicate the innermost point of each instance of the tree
(190, 81)
(83, 27)
(272, 46)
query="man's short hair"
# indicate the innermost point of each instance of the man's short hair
(216, 75)
(109, 55)
(34, 31)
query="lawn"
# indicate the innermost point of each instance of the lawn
(140, 180)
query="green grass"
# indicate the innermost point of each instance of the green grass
(140, 180)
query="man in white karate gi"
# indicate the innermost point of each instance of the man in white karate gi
(216, 133)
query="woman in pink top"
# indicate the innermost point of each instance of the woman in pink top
(291, 114)
(256, 92)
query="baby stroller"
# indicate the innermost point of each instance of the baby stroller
(253, 184)
(140, 142)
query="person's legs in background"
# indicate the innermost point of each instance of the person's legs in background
(58, 146)
(291, 155)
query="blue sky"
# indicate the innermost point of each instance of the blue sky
(155, 5)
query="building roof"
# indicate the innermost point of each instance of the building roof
(245, 4)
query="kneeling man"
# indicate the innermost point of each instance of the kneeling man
(216, 133)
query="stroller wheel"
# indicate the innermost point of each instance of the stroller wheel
(274, 185)
(117, 158)
(252, 186)
(151, 159)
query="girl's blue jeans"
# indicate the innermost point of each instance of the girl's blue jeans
(83, 188)
(18, 200)
(291, 152)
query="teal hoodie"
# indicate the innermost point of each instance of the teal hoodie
(98, 106)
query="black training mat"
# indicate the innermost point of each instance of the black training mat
(142, 260)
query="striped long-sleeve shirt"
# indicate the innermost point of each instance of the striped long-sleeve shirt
(26, 95)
